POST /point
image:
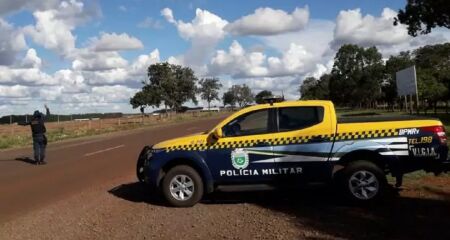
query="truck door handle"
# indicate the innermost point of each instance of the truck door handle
(317, 139)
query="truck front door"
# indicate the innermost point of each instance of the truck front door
(244, 150)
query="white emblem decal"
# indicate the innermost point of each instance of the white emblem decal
(239, 158)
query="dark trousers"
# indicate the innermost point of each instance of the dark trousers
(39, 145)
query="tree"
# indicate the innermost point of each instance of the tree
(243, 94)
(173, 84)
(323, 88)
(145, 97)
(209, 89)
(433, 73)
(308, 88)
(259, 98)
(423, 15)
(240, 94)
(313, 88)
(429, 87)
(228, 98)
(356, 75)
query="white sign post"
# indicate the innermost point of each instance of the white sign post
(407, 85)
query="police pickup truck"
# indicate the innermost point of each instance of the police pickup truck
(290, 143)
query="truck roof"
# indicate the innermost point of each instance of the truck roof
(294, 103)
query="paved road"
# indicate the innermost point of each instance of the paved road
(89, 191)
(75, 165)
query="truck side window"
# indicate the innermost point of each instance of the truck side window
(296, 118)
(251, 123)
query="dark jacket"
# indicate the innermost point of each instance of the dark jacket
(37, 123)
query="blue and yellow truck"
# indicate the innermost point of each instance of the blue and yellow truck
(285, 144)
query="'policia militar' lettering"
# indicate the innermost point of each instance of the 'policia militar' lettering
(269, 171)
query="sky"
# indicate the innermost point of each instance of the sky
(91, 56)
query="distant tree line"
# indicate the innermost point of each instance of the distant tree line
(170, 86)
(360, 77)
(54, 117)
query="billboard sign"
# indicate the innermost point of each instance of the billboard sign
(406, 81)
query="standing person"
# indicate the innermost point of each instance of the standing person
(38, 132)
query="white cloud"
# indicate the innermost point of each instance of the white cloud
(122, 8)
(149, 22)
(168, 15)
(12, 41)
(71, 81)
(352, 27)
(237, 62)
(140, 65)
(438, 36)
(293, 61)
(241, 64)
(108, 77)
(28, 72)
(7, 7)
(15, 91)
(53, 29)
(115, 42)
(110, 94)
(268, 21)
(98, 61)
(31, 59)
(31, 76)
(204, 32)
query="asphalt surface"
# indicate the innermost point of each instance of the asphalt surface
(76, 165)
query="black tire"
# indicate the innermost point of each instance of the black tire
(362, 182)
(140, 173)
(176, 173)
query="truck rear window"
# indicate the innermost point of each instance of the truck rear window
(296, 118)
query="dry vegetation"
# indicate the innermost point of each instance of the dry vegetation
(17, 136)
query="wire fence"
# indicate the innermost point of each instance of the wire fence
(97, 124)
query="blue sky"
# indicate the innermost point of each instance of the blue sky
(90, 56)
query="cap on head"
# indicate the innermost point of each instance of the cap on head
(36, 114)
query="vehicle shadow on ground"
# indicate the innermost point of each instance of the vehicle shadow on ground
(322, 211)
(137, 192)
(396, 217)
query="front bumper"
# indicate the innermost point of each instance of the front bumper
(143, 163)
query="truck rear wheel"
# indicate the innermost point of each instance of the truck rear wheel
(182, 186)
(363, 182)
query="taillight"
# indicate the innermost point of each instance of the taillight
(438, 130)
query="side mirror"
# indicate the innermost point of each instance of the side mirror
(217, 133)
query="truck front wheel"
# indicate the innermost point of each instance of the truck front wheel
(362, 181)
(182, 186)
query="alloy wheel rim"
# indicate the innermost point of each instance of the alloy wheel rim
(363, 185)
(182, 187)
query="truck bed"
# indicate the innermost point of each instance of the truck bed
(380, 118)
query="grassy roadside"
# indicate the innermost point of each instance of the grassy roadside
(59, 134)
